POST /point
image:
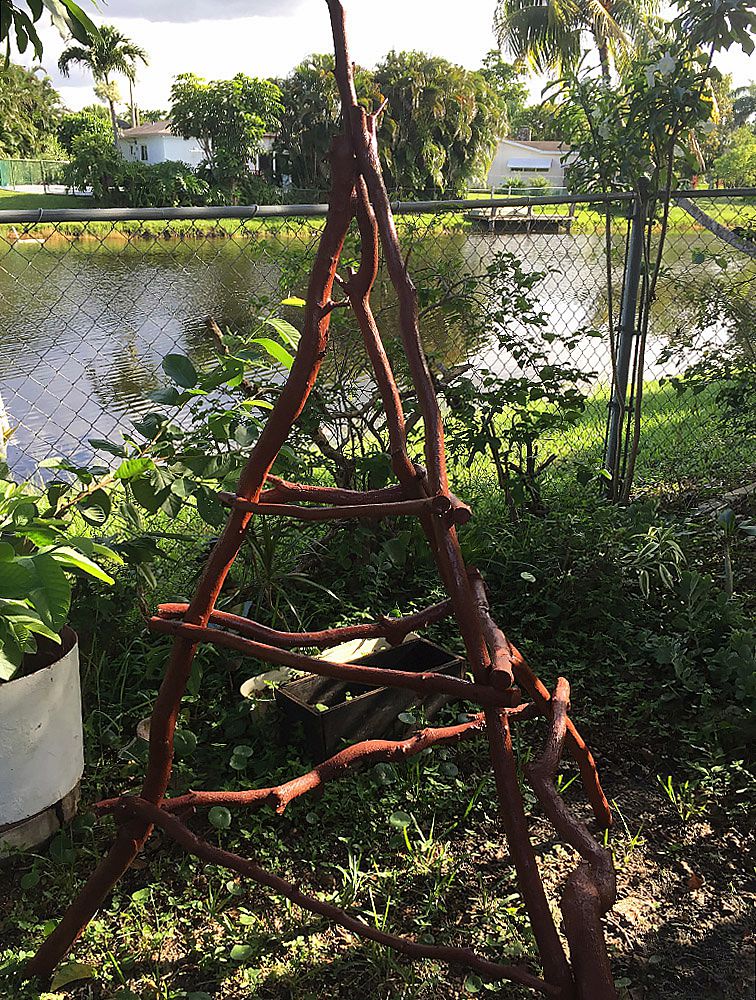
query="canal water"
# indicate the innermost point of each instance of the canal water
(85, 323)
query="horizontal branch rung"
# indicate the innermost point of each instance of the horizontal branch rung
(395, 630)
(423, 683)
(372, 511)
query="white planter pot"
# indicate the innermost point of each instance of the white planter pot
(41, 750)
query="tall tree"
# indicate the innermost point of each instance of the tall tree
(108, 54)
(227, 117)
(310, 118)
(506, 79)
(744, 104)
(29, 112)
(550, 34)
(441, 126)
(91, 120)
(737, 164)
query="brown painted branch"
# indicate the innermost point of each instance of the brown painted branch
(591, 889)
(365, 150)
(512, 813)
(192, 844)
(304, 371)
(395, 630)
(333, 769)
(444, 542)
(576, 745)
(402, 508)
(423, 683)
(502, 672)
(358, 289)
(282, 491)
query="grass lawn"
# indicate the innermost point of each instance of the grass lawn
(654, 692)
(27, 201)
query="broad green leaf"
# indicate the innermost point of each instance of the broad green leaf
(72, 972)
(67, 556)
(401, 820)
(288, 333)
(133, 467)
(109, 446)
(276, 351)
(20, 614)
(180, 369)
(95, 509)
(220, 817)
(10, 660)
(148, 495)
(167, 396)
(50, 590)
(15, 580)
(263, 404)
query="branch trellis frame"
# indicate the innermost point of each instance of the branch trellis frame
(500, 674)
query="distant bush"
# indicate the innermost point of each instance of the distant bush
(98, 165)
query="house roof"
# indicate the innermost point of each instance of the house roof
(543, 146)
(150, 128)
(161, 128)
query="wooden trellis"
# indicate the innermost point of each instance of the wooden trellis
(499, 672)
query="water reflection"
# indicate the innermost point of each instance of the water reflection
(84, 325)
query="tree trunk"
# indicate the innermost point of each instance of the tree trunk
(604, 58)
(113, 122)
(132, 106)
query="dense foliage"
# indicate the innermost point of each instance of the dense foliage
(29, 112)
(438, 130)
(36, 555)
(551, 35)
(98, 165)
(92, 120)
(441, 126)
(310, 118)
(737, 165)
(228, 118)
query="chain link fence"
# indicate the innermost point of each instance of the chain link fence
(24, 173)
(91, 301)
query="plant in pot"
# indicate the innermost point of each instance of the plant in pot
(41, 741)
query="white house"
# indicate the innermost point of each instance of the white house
(156, 143)
(526, 159)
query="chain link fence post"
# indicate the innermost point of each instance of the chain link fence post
(624, 349)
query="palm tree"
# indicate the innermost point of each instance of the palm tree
(113, 52)
(549, 34)
(744, 104)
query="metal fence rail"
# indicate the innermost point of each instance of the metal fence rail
(92, 299)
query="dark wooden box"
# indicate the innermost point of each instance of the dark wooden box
(370, 712)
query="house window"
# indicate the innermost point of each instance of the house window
(143, 152)
(529, 165)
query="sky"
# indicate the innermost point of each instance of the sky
(217, 38)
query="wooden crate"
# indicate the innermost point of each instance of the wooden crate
(356, 712)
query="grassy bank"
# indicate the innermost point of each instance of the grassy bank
(587, 220)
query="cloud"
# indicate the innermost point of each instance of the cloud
(197, 10)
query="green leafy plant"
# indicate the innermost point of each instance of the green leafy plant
(228, 118)
(508, 418)
(38, 555)
(22, 18)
